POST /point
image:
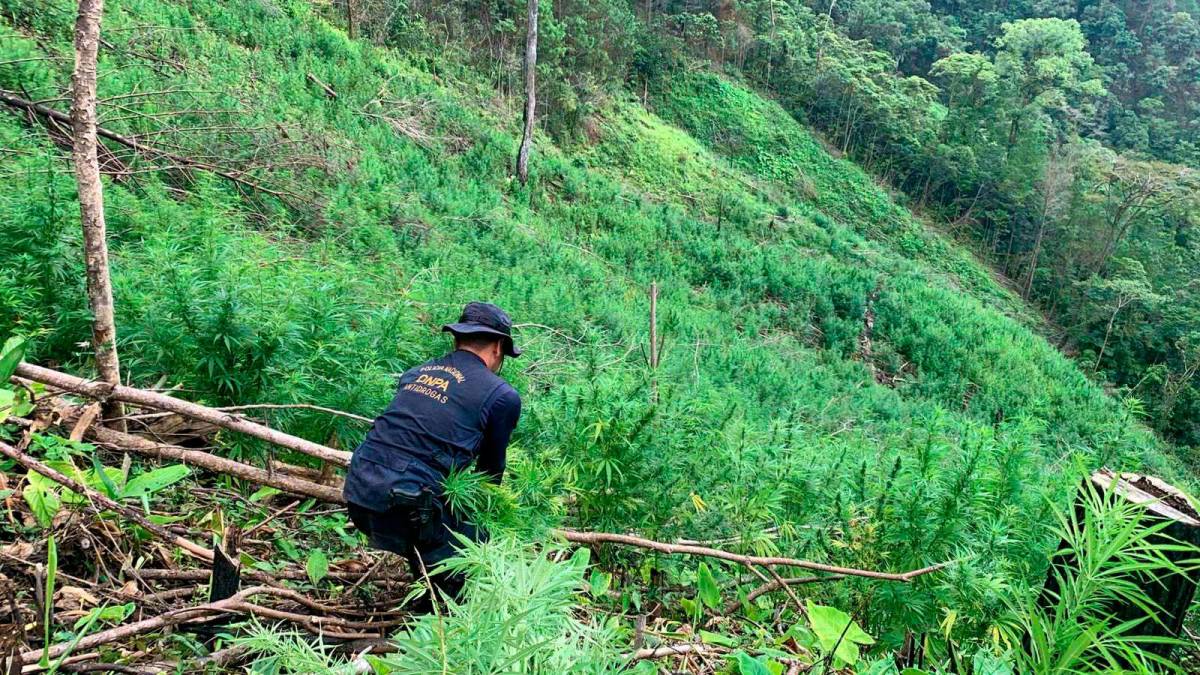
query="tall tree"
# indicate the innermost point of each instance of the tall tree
(91, 197)
(531, 36)
(1046, 69)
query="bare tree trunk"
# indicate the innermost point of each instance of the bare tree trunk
(91, 198)
(1033, 263)
(530, 91)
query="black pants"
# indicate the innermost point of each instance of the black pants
(396, 530)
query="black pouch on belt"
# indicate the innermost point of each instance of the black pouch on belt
(425, 512)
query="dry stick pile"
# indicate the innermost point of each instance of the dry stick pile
(82, 421)
(239, 178)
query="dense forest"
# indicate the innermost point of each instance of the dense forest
(852, 295)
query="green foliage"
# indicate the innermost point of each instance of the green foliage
(709, 591)
(516, 617)
(280, 651)
(766, 424)
(1109, 554)
(837, 634)
(46, 497)
(14, 401)
(317, 565)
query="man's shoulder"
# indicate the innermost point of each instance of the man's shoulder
(508, 392)
(506, 396)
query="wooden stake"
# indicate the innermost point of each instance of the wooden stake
(654, 325)
(654, 341)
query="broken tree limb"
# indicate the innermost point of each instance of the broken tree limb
(774, 585)
(672, 650)
(235, 604)
(261, 577)
(324, 87)
(104, 391)
(204, 460)
(237, 177)
(95, 498)
(593, 538)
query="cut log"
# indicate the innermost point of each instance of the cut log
(1172, 594)
(103, 391)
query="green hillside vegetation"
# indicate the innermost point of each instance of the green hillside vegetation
(955, 437)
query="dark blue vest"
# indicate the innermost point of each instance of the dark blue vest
(433, 425)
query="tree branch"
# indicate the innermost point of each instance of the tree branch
(592, 538)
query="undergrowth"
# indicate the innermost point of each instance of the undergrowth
(765, 425)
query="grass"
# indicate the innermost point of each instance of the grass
(765, 247)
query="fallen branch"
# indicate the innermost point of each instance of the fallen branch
(236, 604)
(208, 461)
(774, 585)
(103, 391)
(95, 498)
(592, 538)
(326, 88)
(671, 650)
(267, 406)
(155, 574)
(296, 406)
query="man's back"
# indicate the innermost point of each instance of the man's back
(446, 413)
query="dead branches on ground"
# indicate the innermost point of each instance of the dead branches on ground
(97, 500)
(177, 156)
(239, 603)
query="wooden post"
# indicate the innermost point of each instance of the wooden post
(350, 19)
(654, 325)
(91, 200)
(1172, 594)
(654, 341)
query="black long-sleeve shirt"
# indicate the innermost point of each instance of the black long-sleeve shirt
(447, 413)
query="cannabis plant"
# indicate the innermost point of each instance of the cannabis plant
(1110, 551)
(516, 616)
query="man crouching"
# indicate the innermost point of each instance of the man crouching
(447, 413)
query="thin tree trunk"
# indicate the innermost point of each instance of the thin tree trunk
(91, 199)
(1033, 263)
(1107, 334)
(654, 341)
(530, 91)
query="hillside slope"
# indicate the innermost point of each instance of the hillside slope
(942, 441)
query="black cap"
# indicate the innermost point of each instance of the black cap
(484, 317)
